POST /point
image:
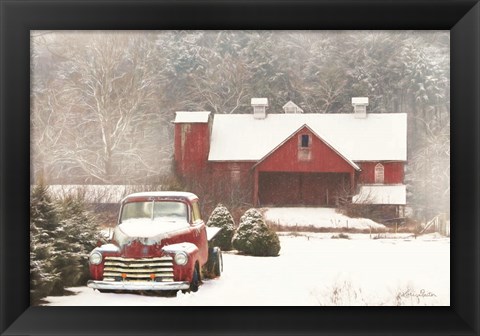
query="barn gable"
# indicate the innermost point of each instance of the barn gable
(305, 150)
(304, 168)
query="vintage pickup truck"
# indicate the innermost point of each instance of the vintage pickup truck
(159, 244)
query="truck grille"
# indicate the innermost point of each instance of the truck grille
(141, 269)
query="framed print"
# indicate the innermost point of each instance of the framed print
(105, 34)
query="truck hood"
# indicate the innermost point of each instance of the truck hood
(147, 231)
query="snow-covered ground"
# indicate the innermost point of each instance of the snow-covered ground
(314, 269)
(317, 218)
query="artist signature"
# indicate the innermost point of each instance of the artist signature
(421, 293)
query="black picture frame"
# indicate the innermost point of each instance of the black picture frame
(18, 17)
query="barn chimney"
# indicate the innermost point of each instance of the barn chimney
(360, 107)
(259, 107)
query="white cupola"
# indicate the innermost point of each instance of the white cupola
(360, 107)
(259, 107)
(291, 107)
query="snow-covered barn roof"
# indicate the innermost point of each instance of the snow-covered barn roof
(381, 194)
(240, 137)
(191, 117)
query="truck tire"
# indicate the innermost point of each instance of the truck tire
(214, 265)
(195, 280)
(217, 261)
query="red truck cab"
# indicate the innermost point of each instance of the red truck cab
(159, 243)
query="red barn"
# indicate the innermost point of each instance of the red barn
(296, 158)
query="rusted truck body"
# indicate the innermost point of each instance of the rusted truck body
(159, 244)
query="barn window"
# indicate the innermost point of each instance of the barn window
(304, 147)
(304, 141)
(379, 173)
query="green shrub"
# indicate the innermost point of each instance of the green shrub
(222, 218)
(254, 237)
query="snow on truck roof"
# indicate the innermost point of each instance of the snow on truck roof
(166, 194)
(379, 136)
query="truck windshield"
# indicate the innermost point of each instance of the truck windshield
(155, 210)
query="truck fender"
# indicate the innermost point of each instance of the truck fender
(190, 248)
(212, 231)
(184, 272)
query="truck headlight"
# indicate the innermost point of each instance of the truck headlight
(181, 258)
(95, 258)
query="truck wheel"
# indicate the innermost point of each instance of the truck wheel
(218, 262)
(214, 266)
(195, 280)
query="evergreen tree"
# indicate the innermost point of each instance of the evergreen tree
(254, 237)
(76, 236)
(222, 218)
(43, 220)
(62, 233)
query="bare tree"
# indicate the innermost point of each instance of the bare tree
(224, 86)
(428, 174)
(108, 85)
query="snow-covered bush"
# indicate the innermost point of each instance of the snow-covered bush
(341, 236)
(222, 218)
(254, 237)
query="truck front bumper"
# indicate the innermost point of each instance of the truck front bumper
(138, 285)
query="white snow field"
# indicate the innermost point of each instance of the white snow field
(317, 218)
(314, 269)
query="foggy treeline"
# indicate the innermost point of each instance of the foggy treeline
(103, 102)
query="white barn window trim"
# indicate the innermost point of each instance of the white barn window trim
(379, 173)
(304, 147)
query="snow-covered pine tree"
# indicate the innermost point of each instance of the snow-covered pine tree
(42, 275)
(76, 236)
(222, 218)
(254, 237)
(43, 220)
